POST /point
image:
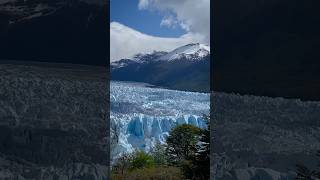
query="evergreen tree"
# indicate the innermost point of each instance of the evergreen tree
(202, 158)
(181, 143)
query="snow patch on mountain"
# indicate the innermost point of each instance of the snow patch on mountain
(142, 116)
(138, 58)
(195, 51)
(190, 51)
(148, 57)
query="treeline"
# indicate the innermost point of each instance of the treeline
(184, 156)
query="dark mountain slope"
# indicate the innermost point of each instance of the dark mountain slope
(185, 68)
(267, 48)
(188, 75)
(71, 31)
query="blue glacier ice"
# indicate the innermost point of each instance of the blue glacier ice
(142, 115)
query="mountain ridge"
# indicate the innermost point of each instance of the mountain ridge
(185, 68)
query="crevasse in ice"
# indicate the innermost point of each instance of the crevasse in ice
(142, 115)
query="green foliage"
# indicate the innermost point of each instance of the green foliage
(187, 167)
(186, 156)
(141, 160)
(142, 166)
(122, 164)
(188, 147)
(181, 142)
(159, 155)
(151, 173)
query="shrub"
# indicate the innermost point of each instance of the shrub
(151, 173)
(141, 160)
(122, 164)
(159, 155)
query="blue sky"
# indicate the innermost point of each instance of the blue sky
(144, 26)
(127, 13)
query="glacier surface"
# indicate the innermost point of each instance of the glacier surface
(263, 138)
(142, 115)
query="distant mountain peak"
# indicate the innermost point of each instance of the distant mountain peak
(190, 51)
(148, 57)
(185, 68)
(139, 58)
(193, 51)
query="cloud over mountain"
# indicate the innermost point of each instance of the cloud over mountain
(192, 16)
(126, 42)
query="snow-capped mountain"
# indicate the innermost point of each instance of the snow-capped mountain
(144, 58)
(191, 52)
(138, 58)
(184, 68)
(142, 116)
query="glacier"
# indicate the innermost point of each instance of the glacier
(256, 137)
(142, 115)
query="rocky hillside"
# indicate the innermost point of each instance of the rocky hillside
(185, 68)
(53, 121)
(263, 138)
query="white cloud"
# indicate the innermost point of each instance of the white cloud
(191, 15)
(143, 4)
(169, 21)
(126, 42)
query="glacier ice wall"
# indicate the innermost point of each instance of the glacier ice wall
(142, 115)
